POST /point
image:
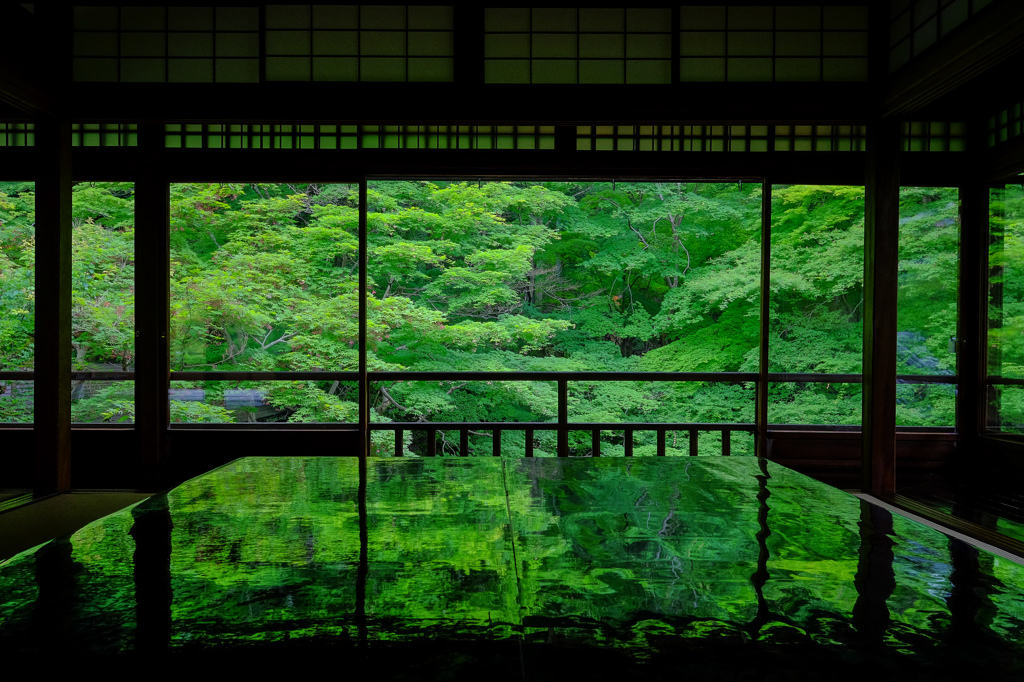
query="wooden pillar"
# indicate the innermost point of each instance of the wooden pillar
(971, 328)
(881, 260)
(365, 437)
(152, 305)
(53, 308)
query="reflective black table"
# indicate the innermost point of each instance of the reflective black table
(708, 568)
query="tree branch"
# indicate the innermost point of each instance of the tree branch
(384, 391)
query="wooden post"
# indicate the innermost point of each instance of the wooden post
(153, 301)
(365, 437)
(881, 260)
(971, 331)
(562, 449)
(990, 355)
(761, 395)
(53, 308)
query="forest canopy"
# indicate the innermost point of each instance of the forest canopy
(496, 276)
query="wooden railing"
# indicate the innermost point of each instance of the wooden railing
(563, 450)
(563, 426)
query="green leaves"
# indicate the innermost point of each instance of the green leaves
(662, 276)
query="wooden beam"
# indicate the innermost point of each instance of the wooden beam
(474, 103)
(981, 43)
(152, 295)
(53, 307)
(881, 259)
(287, 165)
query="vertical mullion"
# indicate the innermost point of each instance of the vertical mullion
(262, 43)
(821, 44)
(676, 53)
(562, 449)
(364, 384)
(359, 49)
(761, 394)
(577, 35)
(117, 32)
(530, 55)
(625, 40)
(167, 46)
(727, 53)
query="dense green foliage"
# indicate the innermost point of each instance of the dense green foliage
(578, 276)
(1006, 305)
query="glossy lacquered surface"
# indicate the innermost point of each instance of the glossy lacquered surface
(518, 569)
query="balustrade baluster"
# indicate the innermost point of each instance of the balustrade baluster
(563, 418)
